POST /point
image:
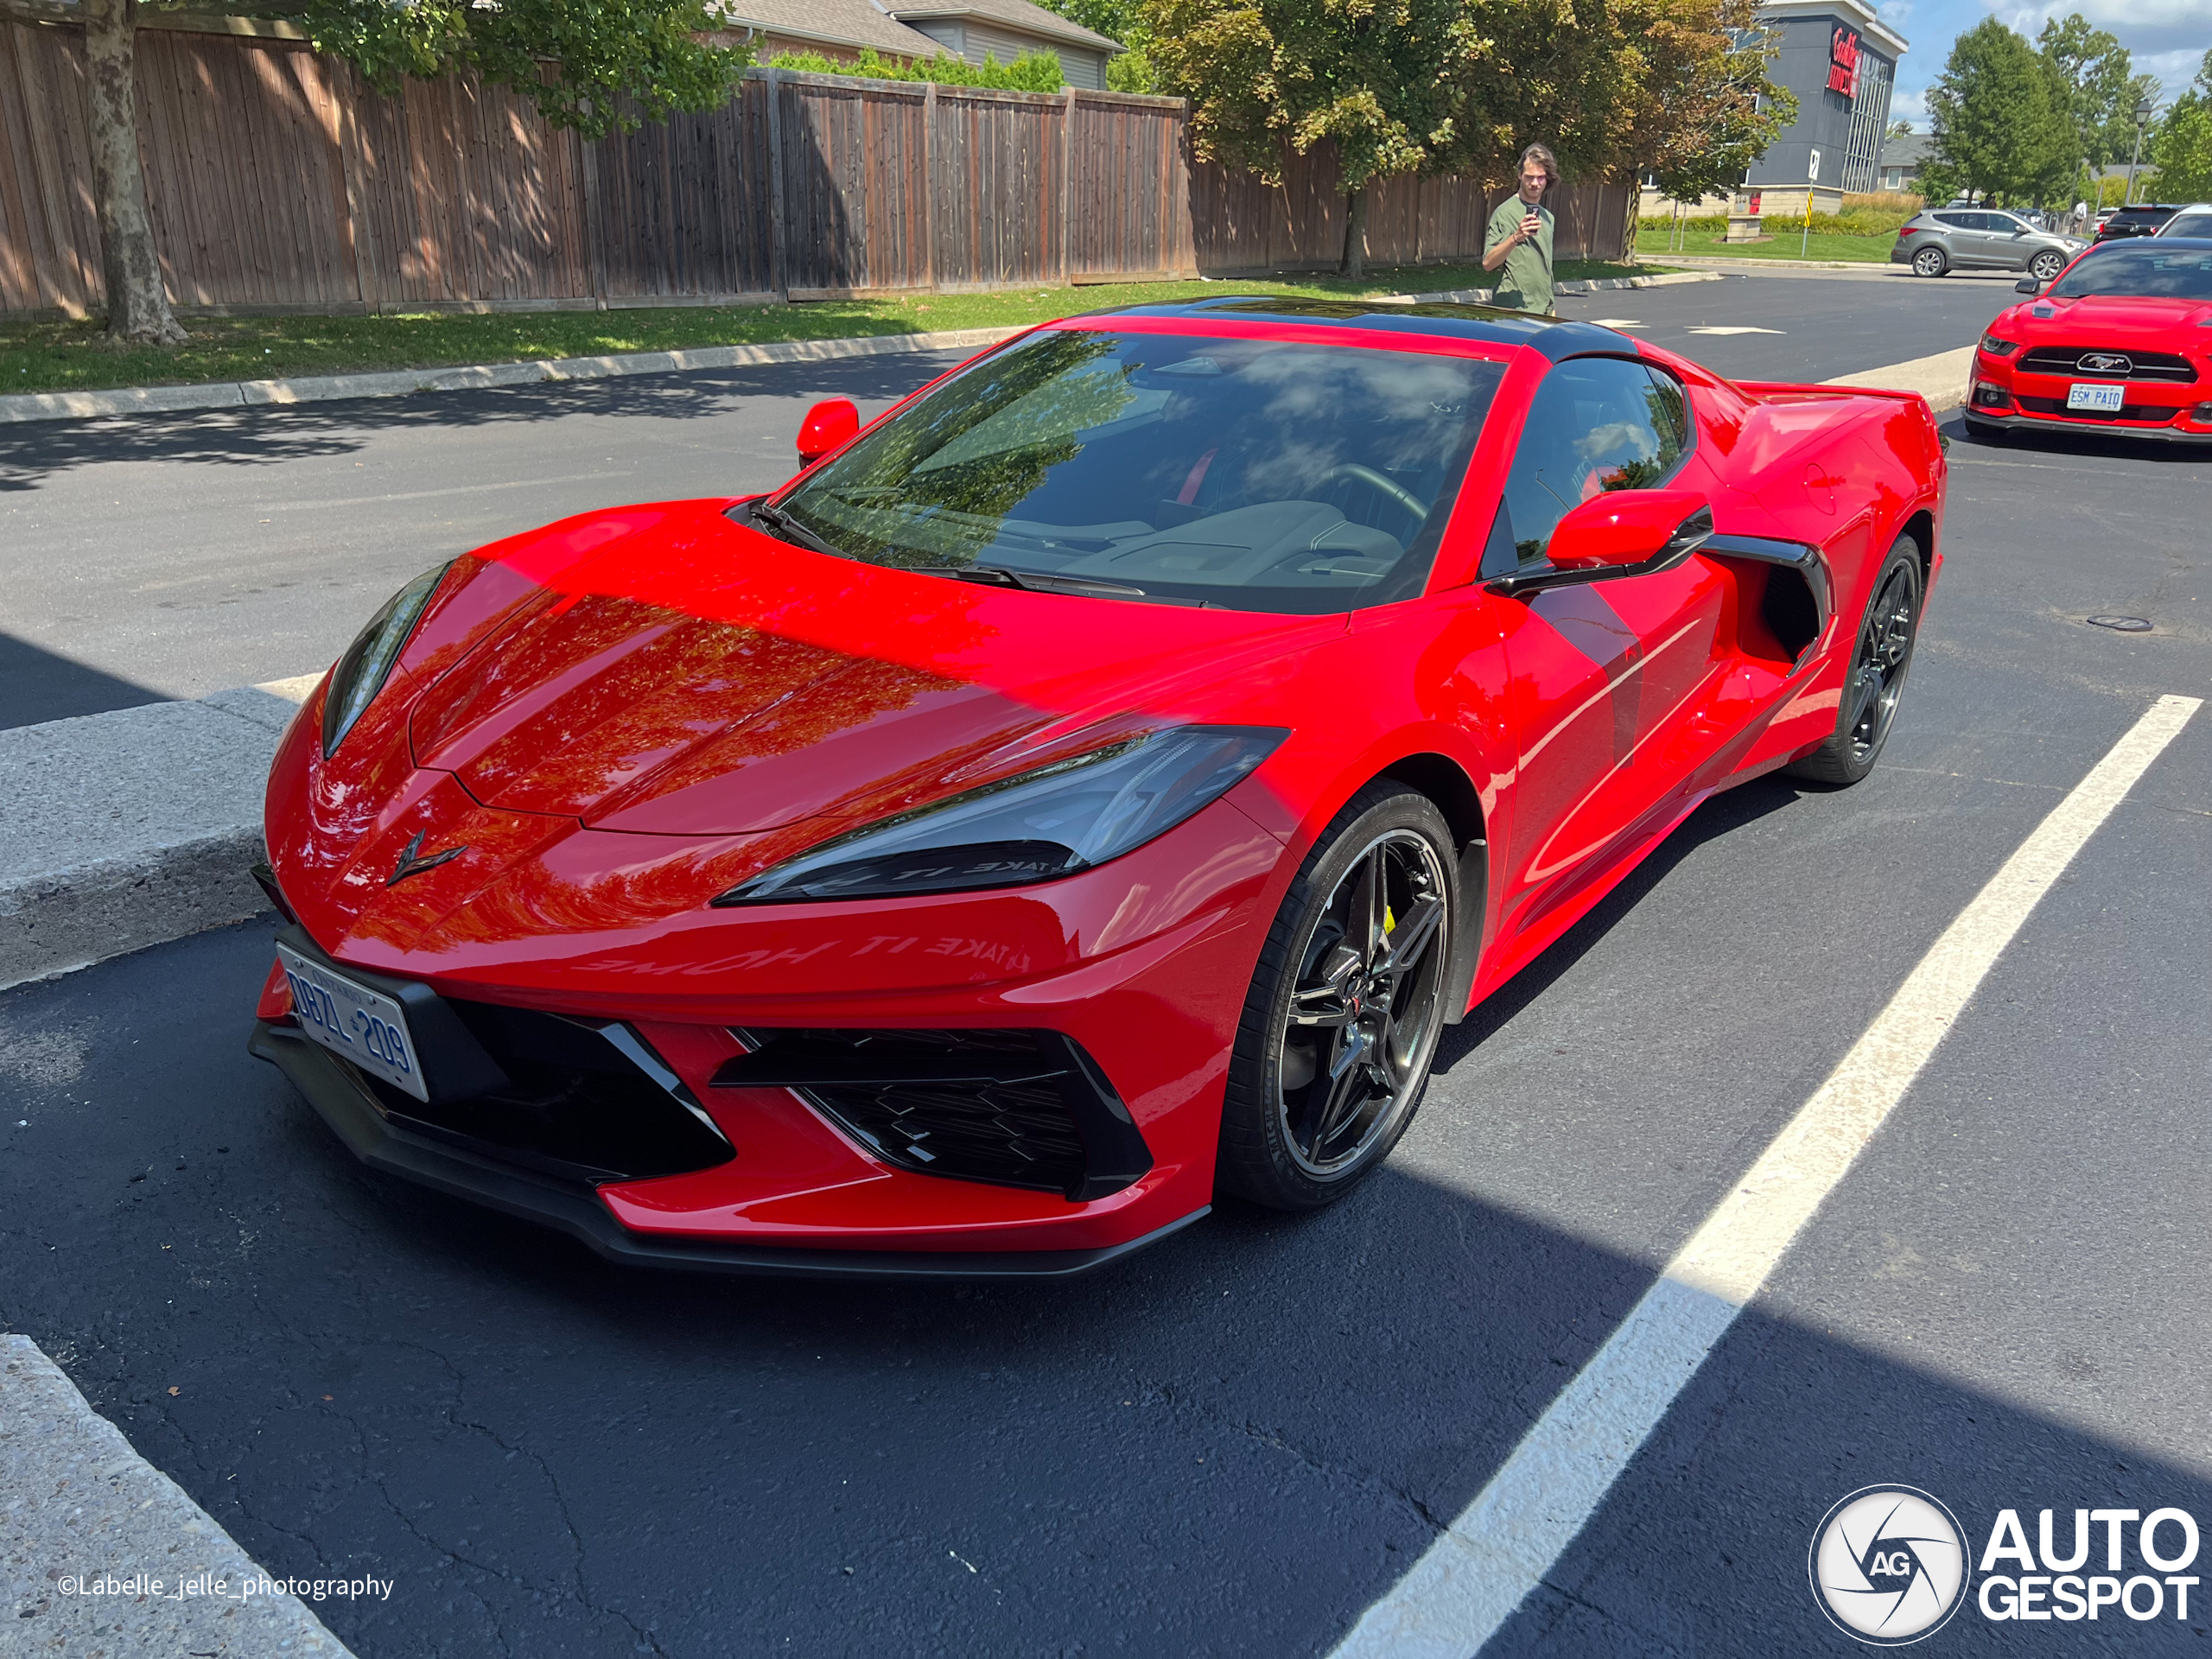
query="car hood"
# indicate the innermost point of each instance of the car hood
(694, 677)
(2108, 318)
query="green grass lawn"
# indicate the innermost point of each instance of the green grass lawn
(71, 356)
(1783, 244)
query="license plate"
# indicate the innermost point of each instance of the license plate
(2105, 400)
(367, 1027)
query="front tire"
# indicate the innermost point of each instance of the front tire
(1929, 262)
(2046, 265)
(1346, 1004)
(1873, 685)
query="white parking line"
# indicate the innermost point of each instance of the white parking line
(1725, 328)
(1471, 1579)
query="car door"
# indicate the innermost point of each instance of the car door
(2009, 242)
(1969, 237)
(1600, 675)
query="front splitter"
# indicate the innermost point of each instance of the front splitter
(352, 1112)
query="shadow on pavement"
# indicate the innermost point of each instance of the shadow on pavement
(1229, 1445)
(36, 685)
(267, 436)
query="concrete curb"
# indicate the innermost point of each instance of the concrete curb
(1722, 263)
(82, 1507)
(1941, 379)
(308, 388)
(152, 837)
(399, 383)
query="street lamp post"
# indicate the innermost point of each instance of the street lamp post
(2142, 120)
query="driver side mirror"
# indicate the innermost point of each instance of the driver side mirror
(2027, 285)
(1620, 533)
(829, 425)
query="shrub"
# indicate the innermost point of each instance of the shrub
(1033, 71)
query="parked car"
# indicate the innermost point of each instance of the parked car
(2143, 219)
(1937, 240)
(1095, 784)
(2115, 343)
(2196, 220)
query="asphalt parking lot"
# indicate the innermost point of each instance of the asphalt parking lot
(1235, 1442)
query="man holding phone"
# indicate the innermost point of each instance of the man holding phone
(1520, 238)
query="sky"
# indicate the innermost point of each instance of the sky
(2167, 38)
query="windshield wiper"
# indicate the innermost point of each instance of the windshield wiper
(999, 576)
(791, 530)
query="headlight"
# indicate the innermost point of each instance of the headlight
(366, 666)
(1997, 347)
(1042, 824)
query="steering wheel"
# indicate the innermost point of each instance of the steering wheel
(1383, 486)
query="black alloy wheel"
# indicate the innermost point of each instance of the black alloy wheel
(1333, 1053)
(1880, 659)
(2046, 265)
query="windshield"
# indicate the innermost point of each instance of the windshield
(2155, 268)
(1254, 475)
(2189, 224)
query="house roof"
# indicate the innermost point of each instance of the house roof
(1014, 13)
(1911, 150)
(836, 23)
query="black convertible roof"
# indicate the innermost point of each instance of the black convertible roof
(1492, 324)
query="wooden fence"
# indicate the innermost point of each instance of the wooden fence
(278, 181)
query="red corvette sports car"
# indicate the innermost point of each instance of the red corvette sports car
(1095, 785)
(2120, 342)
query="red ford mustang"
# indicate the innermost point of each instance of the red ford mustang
(1093, 786)
(2121, 341)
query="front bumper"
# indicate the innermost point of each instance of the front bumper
(359, 1120)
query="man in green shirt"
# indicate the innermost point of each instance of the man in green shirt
(1520, 238)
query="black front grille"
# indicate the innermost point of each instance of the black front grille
(1025, 1108)
(2160, 413)
(579, 1102)
(2166, 368)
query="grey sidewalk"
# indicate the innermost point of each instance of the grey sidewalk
(127, 829)
(100, 1552)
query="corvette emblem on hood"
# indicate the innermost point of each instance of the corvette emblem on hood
(411, 865)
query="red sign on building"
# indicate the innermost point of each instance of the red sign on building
(1843, 62)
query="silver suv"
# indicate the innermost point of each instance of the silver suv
(2196, 220)
(1938, 239)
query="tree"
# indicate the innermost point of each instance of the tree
(2090, 74)
(592, 66)
(1996, 132)
(1130, 69)
(2182, 150)
(1714, 109)
(1900, 129)
(1264, 76)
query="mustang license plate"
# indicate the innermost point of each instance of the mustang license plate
(2105, 400)
(366, 1026)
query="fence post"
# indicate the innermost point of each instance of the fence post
(1067, 188)
(779, 269)
(929, 184)
(594, 227)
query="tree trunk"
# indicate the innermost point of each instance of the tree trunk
(138, 306)
(1354, 262)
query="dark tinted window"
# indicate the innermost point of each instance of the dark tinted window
(2189, 224)
(1959, 221)
(2154, 267)
(1597, 423)
(2137, 217)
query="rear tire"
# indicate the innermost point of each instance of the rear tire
(1346, 1004)
(1873, 685)
(1930, 262)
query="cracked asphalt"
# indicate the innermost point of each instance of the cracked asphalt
(1234, 1442)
